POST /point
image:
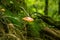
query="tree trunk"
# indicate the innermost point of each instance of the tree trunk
(46, 7)
(59, 7)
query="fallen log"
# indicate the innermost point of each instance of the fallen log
(54, 33)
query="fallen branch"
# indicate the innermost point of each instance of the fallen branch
(52, 32)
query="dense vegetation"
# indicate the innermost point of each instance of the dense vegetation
(29, 19)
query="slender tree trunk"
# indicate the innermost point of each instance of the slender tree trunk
(59, 7)
(46, 7)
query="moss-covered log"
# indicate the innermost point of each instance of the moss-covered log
(51, 33)
(49, 21)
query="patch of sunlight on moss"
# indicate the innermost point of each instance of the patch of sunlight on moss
(41, 11)
(34, 9)
(30, 2)
(21, 11)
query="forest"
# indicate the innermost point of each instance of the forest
(29, 19)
